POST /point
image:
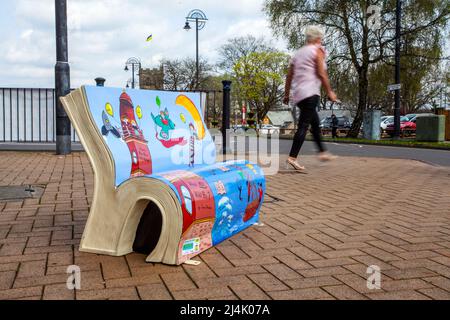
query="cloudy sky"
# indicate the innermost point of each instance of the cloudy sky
(104, 33)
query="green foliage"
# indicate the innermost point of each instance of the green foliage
(235, 51)
(260, 77)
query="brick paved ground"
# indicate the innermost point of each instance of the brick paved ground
(319, 238)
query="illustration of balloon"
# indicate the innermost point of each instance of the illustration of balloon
(158, 101)
(109, 109)
(183, 118)
(139, 112)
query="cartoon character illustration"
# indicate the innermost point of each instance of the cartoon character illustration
(108, 127)
(166, 125)
(131, 134)
(192, 139)
(220, 187)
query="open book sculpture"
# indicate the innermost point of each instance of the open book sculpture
(158, 190)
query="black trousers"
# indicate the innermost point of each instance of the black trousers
(308, 116)
(334, 132)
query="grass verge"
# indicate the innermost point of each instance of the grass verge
(394, 143)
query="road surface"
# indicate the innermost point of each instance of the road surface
(435, 157)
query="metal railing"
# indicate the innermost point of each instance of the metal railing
(28, 115)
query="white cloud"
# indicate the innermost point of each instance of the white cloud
(104, 33)
(26, 34)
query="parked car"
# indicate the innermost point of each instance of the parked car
(269, 129)
(383, 118)
(406, 127)
(239, 129)
(385, 121)
(414, 119)
(343, 123)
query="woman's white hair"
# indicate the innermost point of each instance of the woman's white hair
(313, 33)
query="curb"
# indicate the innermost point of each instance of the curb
(377, 144)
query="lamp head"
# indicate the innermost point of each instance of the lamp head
(126, 68)
(187, 27)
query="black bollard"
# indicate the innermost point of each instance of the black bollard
(100, 82)
(225, 114)
(62, 79)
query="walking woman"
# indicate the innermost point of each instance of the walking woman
(307, 73)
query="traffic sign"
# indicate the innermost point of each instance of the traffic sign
(394, 87)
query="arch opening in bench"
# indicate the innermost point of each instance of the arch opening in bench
(149, 228)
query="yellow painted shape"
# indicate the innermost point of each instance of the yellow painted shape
(185, 102)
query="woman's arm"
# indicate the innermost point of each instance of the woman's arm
(323, 75)
(287, 88)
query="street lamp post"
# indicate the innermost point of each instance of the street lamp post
(200, 19)
(62, 79)
(226, 114)
(397, 69)
(100, 82)
(133, 63)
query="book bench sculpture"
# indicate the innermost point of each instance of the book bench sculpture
(158, 190)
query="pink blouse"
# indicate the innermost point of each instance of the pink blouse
(305, 82)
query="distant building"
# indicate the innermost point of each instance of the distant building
(282, 119)
(152, 79)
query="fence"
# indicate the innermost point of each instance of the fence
(28, 115)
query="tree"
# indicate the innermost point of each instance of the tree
(260, 77)
(237, 48)
(353, 40)
(181, 74)
(344, 83)
(422, 74)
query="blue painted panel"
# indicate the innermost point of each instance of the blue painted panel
(167, 124)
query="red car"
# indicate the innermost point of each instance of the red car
(406, 127)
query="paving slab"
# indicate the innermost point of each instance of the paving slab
(321, 232)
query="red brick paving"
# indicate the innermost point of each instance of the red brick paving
(318, 240)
